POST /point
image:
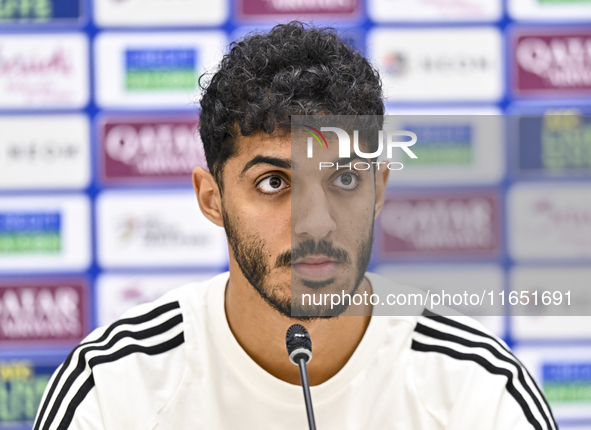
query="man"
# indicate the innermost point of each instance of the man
(212, 355)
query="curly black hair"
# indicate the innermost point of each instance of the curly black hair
(294, 69)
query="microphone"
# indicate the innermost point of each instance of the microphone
(299, 348)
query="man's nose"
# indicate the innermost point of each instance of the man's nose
(311, 215)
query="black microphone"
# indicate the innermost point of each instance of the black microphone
(299, 348)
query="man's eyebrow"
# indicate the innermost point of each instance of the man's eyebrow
(282, 163)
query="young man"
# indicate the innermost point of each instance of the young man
(212, 355)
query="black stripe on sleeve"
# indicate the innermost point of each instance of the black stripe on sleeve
(417, 346)
(87, 346)
(128, 350)
(428, 331)
(447, 321)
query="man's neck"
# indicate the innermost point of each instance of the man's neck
(260, 331)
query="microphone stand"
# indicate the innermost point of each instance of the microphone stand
(307, 396)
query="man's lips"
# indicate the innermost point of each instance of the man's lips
(314, 260)
(316, 267)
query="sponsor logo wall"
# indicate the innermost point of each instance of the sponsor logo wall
(98, 117)
(451, 64)
(456, 225)
(274, 10)
(565, 377)
(551, 63)
(552, 146)
(43, 312)
(22, 383)
(148, 70)
(387, 11)
(49, 71)
(457, 147)
(149, 149)
(45, 234)
(44, 151)
(118, 293)
(21, 12)
(550, 222)
(164, 229)
(134, 13)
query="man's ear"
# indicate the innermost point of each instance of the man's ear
(381, 185)
(208, 195)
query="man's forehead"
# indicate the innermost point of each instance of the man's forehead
(286, 150)
(261, 143)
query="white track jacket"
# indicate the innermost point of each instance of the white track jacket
(174, 364)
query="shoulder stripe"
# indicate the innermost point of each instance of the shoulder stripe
(85, 347)
(81, 366)
(537, 395)
(447, 321)
(427, 331)
(418, 346)
(89, 383)
(75, 402)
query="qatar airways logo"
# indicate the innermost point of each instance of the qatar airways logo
(556, 61)
(391, 139)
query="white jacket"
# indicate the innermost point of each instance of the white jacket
(174, 364)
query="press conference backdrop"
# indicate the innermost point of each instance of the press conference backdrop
(98, 105)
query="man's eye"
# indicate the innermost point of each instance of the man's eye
(272, 184)
(346, 181)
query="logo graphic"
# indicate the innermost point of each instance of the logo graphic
(464, 64)
(48, 70)
(267, 8)
(567, 383)
(564, 373)
(395, 64)
(44, 151)
(550, 10)
(440, 225)
(553, 62)
(30, 233)
(550, 222)
(154, 231)
(149, 70)
(116, 294)
(150, 149)
(23, 9)
(315, 135)
(460, 64)
(33, 152)
(38, 11)
(454, 146)
(44, 233)
(345, 145)
(442, 144)
(162, 229)
(160, 69)
(387, 11)
(22, 384)
(555, 144)
(42, 312)
(139, 13)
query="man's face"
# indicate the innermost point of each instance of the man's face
(296, 229)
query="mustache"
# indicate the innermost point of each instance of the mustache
(312, 248)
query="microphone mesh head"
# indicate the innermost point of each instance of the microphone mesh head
(297, 337)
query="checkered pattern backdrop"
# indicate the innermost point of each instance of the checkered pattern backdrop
(97, 116)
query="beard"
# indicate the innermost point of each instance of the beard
(249, 253)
